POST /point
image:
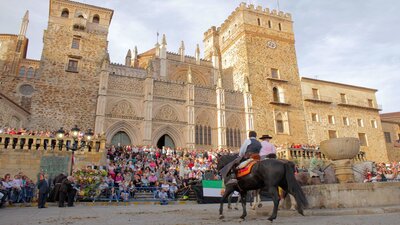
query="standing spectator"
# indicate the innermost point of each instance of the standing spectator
(43, 191)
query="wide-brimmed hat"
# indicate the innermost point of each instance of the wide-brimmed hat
(265, 136)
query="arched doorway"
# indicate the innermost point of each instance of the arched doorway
(122, 138)
(166, 141)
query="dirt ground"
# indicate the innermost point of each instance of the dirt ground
(187, 214)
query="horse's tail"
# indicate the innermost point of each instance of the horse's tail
(294, 187)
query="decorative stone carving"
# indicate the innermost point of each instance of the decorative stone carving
(204, 95)
(123, 108)
(128, 84)
(170, 90)
(166, 113)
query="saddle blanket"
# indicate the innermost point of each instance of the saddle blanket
(245, 169)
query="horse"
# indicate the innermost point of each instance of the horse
(266, 175)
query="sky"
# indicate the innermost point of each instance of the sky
(353, 42)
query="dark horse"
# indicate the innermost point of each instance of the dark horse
(266, 175)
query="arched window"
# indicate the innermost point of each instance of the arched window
(22, 71)
(203, 135)
(96, 19)
(81, 16)
(275, 94)
(31, 73)
(281, 123)
(65, 13)
(121, 138)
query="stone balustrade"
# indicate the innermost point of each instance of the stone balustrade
(31, 143)
(307, 154)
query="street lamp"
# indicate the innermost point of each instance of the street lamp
(75, 135)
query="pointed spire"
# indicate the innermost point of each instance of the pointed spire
(246, 84)
(24, 25)
(197, 54)
(189, 75)
(135, 52)
(164, 40)
(128, 58)
(182, 51)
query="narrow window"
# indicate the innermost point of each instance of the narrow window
(258, 21)
(279, 126)
(315, 93)
(280, 26)
(209, 135)
(314, 117)
(75, 43)
(22, 71)
(30, 73)
(331, 119)
(345, 121)
(65, 13)
(388, 139)
(96, 19)
(201, 135)
(72, 65)
(197, 134)
(360, 122)
(363, 139)
(269, 24)
(274, 73)
(374, 124)
(275, 94)
(343, 98)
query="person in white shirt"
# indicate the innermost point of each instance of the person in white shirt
(268, 150)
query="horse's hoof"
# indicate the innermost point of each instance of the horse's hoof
(221, 217)
(270, 219)
(236, 208)
(259, 205)
(242, 219)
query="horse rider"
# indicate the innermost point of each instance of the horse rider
(268, 150)
(316, 165)
(249, 151)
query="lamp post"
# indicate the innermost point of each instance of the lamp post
(75, 131)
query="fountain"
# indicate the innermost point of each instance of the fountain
(341, 151)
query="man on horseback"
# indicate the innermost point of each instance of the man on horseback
(268, 150)
(249, 151)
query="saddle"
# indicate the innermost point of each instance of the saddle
(244, 168)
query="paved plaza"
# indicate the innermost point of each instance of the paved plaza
(191, 213)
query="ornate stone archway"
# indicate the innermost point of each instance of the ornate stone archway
(124, 127)
(175, 133)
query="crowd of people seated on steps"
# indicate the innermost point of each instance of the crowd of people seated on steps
(133, 169)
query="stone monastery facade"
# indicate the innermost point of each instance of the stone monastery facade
(248, 80)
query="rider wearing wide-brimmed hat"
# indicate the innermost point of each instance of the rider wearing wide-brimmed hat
(268, 150)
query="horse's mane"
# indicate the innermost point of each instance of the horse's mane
(225, 159)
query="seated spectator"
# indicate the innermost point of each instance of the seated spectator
(114, 194)
(173, 189)
(163, 196)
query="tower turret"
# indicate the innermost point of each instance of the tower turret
(24, 25)
(182, 51)
(128, 58)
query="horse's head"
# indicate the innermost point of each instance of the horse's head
(225, 159)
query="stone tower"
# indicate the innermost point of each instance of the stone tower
(257, 47)
(75, 46)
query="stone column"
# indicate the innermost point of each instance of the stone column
(190, 141)
(221, 114)
(101, 99)
(148, 107)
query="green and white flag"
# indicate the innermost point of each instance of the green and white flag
(212, 188)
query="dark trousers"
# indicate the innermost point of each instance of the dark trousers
(61, 199)
(42, 200)
(71, 197)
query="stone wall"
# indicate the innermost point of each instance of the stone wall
(353, 195)
(393, 148)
